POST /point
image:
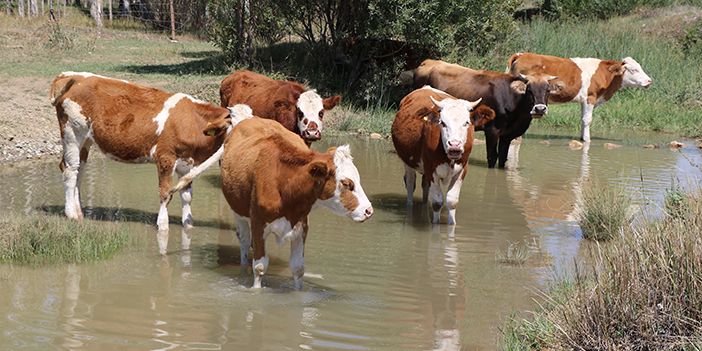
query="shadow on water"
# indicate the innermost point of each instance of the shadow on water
(114, 214)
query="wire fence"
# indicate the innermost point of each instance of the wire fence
(152, 16)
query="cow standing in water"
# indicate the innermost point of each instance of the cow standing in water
(433, 134)
(516, 100)
(287, 102)
(272, 180)
(588, 81)
(134, 124)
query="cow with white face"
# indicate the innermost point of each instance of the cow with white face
(272, 180)
(588, 81)
(289, 103)
(433, 134)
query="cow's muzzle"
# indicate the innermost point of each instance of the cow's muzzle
(539, 110)
(454, 150)
(311, 134)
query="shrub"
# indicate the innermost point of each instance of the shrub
(676, 204)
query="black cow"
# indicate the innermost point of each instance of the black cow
(515, 100)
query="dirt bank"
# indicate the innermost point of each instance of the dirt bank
(28, 127)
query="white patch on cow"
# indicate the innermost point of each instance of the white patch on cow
(152, 153)
(345, 169)
(634, 76)
(162, 116)
(76, 135)
(183, 166)
(454, 116)
(281, 228)
(238, 113)
(587, 66)
(310, 103)
(87, 75)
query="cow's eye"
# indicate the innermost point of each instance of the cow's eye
(321, 114)
(347, 184)
(300, 115)
(442, 123)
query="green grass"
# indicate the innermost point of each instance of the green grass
(49, 239)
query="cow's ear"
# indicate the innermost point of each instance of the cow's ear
(518, 86)
(557, 86)
(218, 127)
(481, 115)
(617, 69)
(282, 105)
(330, 103)
(318, 169)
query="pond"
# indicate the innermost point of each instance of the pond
(394, 282)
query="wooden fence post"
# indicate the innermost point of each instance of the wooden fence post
(172, 22)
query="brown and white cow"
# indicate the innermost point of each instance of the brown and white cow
(433, 134)
(588, 81)
(516, 100)
(286, 102)
(272, 180)
(135, 124)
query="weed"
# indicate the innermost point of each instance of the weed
(603, 211)
(676, 204)
(515, 254)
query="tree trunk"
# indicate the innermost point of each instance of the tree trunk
(33, 8)
(110, 7)
(172, 22)
(96, 12)
(20, 7)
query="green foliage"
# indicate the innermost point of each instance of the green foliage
(40, 239)
(603, 9)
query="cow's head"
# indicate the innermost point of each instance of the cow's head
(310, 111)
(237, 113)
(455, 122)
(536, 88)
(343, 193)
(633, 76)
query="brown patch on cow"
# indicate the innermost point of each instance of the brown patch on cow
(348, 199)
(676, 145)
(567, 85)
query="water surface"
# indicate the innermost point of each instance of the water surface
(395, 282)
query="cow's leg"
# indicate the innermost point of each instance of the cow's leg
(165, 181)
(452, 193)
(410, 184)
(425, 189)
(186, 197)
(437, 198)
(586, 117)
(75, 154)
(297, 252)
(491, 139)
(503, 151)
(243, 233)
(260, 258)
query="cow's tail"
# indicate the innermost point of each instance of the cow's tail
(187, 179)
(510, 62)
(59, 87)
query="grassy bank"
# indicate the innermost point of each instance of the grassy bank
(641, 293)
(47, 239)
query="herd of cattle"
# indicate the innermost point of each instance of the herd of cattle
(269, 175)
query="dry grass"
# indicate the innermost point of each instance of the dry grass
(642, 293)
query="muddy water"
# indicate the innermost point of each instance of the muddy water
(395, 282)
